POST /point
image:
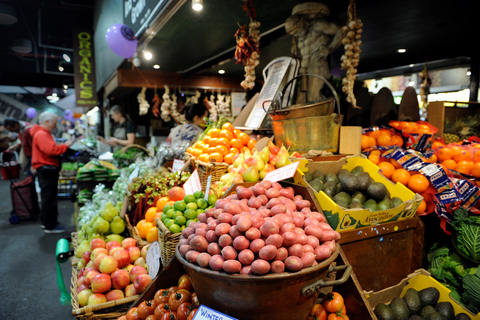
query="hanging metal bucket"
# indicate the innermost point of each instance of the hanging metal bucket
(304, 127)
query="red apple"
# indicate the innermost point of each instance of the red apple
(86, 256)
(97, 243)
(112, 243)
(115, 249)
(90, 264)
(134, 253)
(82, 297)
(140, 262)
(108, 264)
(96, 298)
(129, 242)
(129, 267)
(98, 259)
(120, 279)
(130, 291)
(80, 280)
(136, 270)
(81, 288)
(101, 283)
(142, 281)
(88, 277)
(81, 271)
(96, 252)
(143, 251)
(123, 257)
(81, 264)
(115, 295)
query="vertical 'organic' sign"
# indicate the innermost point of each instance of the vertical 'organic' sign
(84, 67)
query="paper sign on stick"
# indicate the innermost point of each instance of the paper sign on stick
(153, 259)
(205, 313)
(193, 183)
(282, 173)
(177, 165)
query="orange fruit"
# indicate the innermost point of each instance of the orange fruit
(422, 207)
(251, 144)
(222, 150)
(223, 142)
(150, 214)
(455, 149)
(433, 158)
(418, 183)
(213, 142)
(190, 150)
(449, 164)
(143, 226)
(236, 143)
(400, 175)
(414, 127)
(244, 138)
(395, 124)
(463, 155)
(437, 144)
(365, 142)
(234, 150)
(464, 166)
(203, 157)
(152, 235)
(206, 140)
(374, 134)
(214, 133)
(215, 157)
(397, 140)
(386, 168)
(385, 131)
(228, 158)
(384, 140)
(228, 126)
(377, 152)
(225, 134)
(475, 170)
(236, 132)
(407, 128)
(395, 164)
(444, 153)
(476, 156)
(374, 158)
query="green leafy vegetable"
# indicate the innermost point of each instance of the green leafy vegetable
(466, 237)
(471, 284)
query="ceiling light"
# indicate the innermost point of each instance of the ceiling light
(91, 112)
(469, 73)
(221, 71)
(402, 50)
(411, 84)
(60, 67)
(157, 66)
(21, 46)
(8, 14)
(197, 5)
(66, 57)
(147, 55)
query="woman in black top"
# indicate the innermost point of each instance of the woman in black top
(123, 132)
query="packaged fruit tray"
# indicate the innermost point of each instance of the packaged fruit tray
(341, 218)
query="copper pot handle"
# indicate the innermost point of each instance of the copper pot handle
(316, 286)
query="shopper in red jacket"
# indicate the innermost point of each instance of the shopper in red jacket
(46, 162)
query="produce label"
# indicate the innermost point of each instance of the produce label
(205, 313)
(193, 183)
(153, 259)
(177, 165)
(282, 173)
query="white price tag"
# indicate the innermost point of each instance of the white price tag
(177, 165)
(205, 313)
(134, 174)
(282, 173)
(193, 183)
(153, 259)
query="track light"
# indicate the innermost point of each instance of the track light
(147, 55)
(66, 57)
(60, 67)
(197, 5)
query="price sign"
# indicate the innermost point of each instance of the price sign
(282, 173)
(205, 313)
(134, 174)
(177, 165)
(153, 259)
(193, 183)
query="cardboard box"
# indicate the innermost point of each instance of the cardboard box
(347, 219)
(418, 280)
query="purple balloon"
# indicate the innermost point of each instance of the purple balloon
(31, 112)
(121, 39)
(68, 114)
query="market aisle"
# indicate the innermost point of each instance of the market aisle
(28, 281)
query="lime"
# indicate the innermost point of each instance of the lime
(163, 217)
(166, 208)
(189, 198)
(189, 221)
(177, 214)
(180, 205)
(202, 203)
(190, 214)
(180, 220)
(169, 213)
(200, 211)
(212, 199)
(169, 222)
(192, 205)
(199, 194)
(175, 228)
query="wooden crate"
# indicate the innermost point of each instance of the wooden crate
(438, 112)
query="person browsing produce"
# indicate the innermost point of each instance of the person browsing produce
(190, 131)
(123, 132)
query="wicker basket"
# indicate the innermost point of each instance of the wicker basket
(168, 242)
(216, 170)
(108, 310)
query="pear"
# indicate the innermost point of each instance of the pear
(265, 154)
(251, 175)
(113, 236)
(117, 226)
(94, 235)
(82, 247)
(109, 212)
(101, 226)
(258, 163)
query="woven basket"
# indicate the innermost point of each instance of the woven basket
(168, 242)
(108, 310)
(216, 170)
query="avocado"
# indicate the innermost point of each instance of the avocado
(462, 316)
(377, 191)
(357, 170)
(349, 183)
(384, 312)
(347, 221)
(338, 187)
(413, 301)
(426, 311)
(385, 204)
(355, 205)
(308, 176)
(371, 205)
(446, 309)
(429, 296)
(396, 201)
(330, 176)
(318, 174)
(364, 180)
(329, 191)
(415, 317)
(400, 309)
(436, 316)
(342, 197)
(358, 196)
(316, 184)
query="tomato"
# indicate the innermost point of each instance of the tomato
(124, 317)
(333, 316)
(145, 309)
(173, 289)
(344, 310)
(184, 310)
(195, 301)
(184, 282)
(178, 298)
(161, 309)
(132, 314)
(319, 312)
(333, 302)
(151, 317)
(192, 314)
(172, 315)
(161, 296)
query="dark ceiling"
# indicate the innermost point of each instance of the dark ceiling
(202, 42)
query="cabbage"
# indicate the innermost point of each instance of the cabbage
(466, 236)
(471, 285)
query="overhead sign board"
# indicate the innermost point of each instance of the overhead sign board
(84, 69)
(138, 14)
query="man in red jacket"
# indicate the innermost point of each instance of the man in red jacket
(46, 161)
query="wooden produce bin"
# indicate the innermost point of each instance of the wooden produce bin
(382, 255)
(438, 112)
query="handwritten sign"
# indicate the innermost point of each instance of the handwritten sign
(205, 313)
(193, 183)
(153, 259)
(282, 173)
(177, 165)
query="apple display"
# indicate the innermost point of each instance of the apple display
(130, 291)
(123, 257)
(143, 251)
(115, 295)
(88, 277)
(101, 283)
(120, 279)
(82, 297)
(111, 244)
(140, 262)
(129, 267)
(98, 259)
(86, 256)
(108, 264)
(136, 270)
(81, 288)
(96, 252)
(129, 242)
(97, 243)
(142, 281)
(134, 253)
(96, 298)
(115, 249)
